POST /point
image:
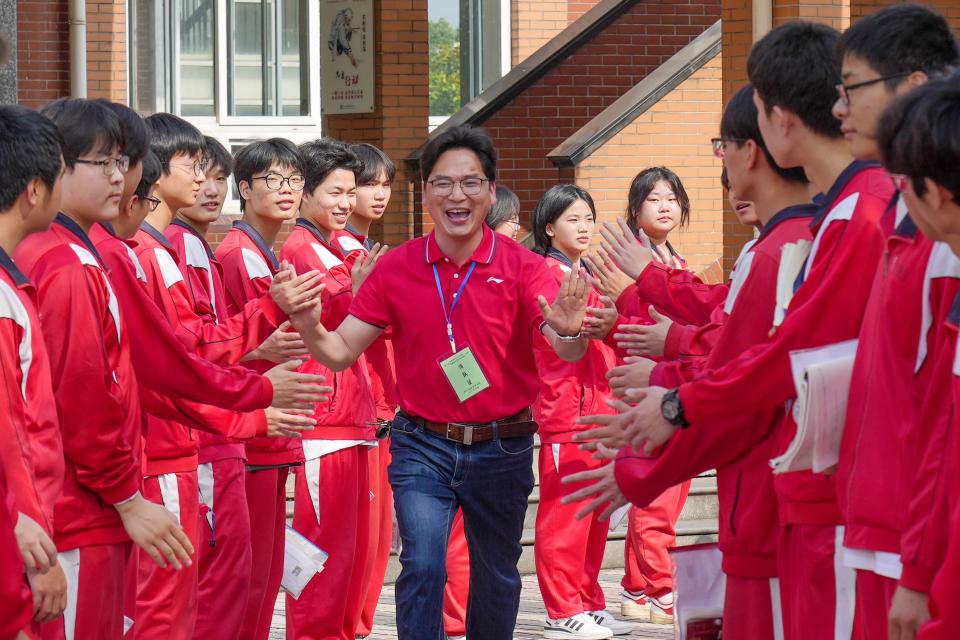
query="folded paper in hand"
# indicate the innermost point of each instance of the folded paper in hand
(301, 561)
(822, 378)
(793, 256)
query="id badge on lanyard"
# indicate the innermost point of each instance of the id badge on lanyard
(461, 368)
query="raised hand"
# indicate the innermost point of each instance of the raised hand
(644, 339)
(635, 374)
(611, 431)
(603, 490)
(565, 315)
(607, 276)
(294, 293)
(362, 268)
(295, 390)
(626, 251)
(155, 530)
(280, 346)
(36, 547)
(599, 321)
(289, 423)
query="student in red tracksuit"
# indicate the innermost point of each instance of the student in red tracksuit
(249, 265)
(32, 454)
(332, 499)
(171, 449)
(799, 130)
(16, 606)
(568, 552)
(657, 204)
(919, 144)
(912, 293)
(373, 196)
(225, 559)
(94, 385)
(748, 504)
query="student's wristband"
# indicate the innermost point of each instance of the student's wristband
(568, 338)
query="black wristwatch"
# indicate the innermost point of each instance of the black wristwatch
(672, 410)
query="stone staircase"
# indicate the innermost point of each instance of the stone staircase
(697, 524)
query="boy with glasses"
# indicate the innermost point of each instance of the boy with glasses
(893, 534)
(249, 264)
(94, 384)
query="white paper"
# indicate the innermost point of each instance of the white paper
(792, 258)
(821, 376)
(617, 516)
(700, 585)
(301, 561)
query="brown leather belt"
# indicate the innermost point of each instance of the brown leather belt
(516, 426)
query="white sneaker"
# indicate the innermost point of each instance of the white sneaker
(634, 606)
(456, 637)
(661, 609)
(581, 626)
(605, 619)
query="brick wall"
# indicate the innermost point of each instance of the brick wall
(42, 64)
(674, 133)
(400, 122)
(535, 22)
(107, 50)
(574, 91)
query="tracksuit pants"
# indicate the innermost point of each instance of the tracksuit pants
(381, 533)
(751, 609)
(651, 531)
(456, 592)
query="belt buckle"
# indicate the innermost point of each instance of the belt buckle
(467, 433)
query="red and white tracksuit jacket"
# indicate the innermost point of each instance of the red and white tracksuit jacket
(891, 525)
(16, 602)
(945, 493)
(33, 454)
(568, 552)
(748, 504)
(332, 500)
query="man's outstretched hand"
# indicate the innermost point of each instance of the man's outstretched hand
(565, 315)
(294, 293)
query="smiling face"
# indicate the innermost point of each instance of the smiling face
(659, 212)
(858, 119)
(272, 204)
(373, 197)
(332, 202)
(570, 233)
(457, 215)
(744, 209)
(210, 199)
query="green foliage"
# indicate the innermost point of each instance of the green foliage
(444, 68)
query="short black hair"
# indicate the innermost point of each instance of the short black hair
(505, 209)
(136, 138)
(795, 67)
(259, 156)
(151, 173)
(170, 135)
(645, 182)
(739, 121)
(919, 135)
(322, 157)
(217, 155)
(29, 148)
(374, 162)
(85, 127)
(464, 136)
(551, 205)
(902, 38)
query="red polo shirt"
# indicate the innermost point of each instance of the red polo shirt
(497, 317)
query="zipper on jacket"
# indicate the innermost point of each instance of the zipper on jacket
(736, 501)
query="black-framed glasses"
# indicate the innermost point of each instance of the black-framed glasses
(152, 202)
(109, 165)
(444, 186)
(720, 145)
(197, 167)
(274, 181)
(843, 90)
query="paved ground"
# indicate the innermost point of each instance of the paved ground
(529, 622)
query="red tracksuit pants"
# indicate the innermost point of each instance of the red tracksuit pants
(381, 533)
(568, 552)
(651, 531)
(166, 606)
(874, 595)
(224, 555)
(267, 508)
(331, 509)
(457, 590)
(96, 582)
(816, 589)
(751, 609)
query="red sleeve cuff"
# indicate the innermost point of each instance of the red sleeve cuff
(672, 345)
(266, 392)
(626, 297)
(121, 491)
(259, 418)
(917, 578)
(272, 311)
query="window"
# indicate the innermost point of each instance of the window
(222, 58)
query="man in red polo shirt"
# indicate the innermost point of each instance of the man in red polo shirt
(463, 305)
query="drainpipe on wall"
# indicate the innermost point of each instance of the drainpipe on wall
(77, 21)
(762, 18)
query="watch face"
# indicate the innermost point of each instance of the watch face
(670, 409)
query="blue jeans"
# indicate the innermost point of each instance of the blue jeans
(491, 481)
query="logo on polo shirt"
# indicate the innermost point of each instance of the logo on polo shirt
(495, 280)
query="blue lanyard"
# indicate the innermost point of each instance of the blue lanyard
(447, 315)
